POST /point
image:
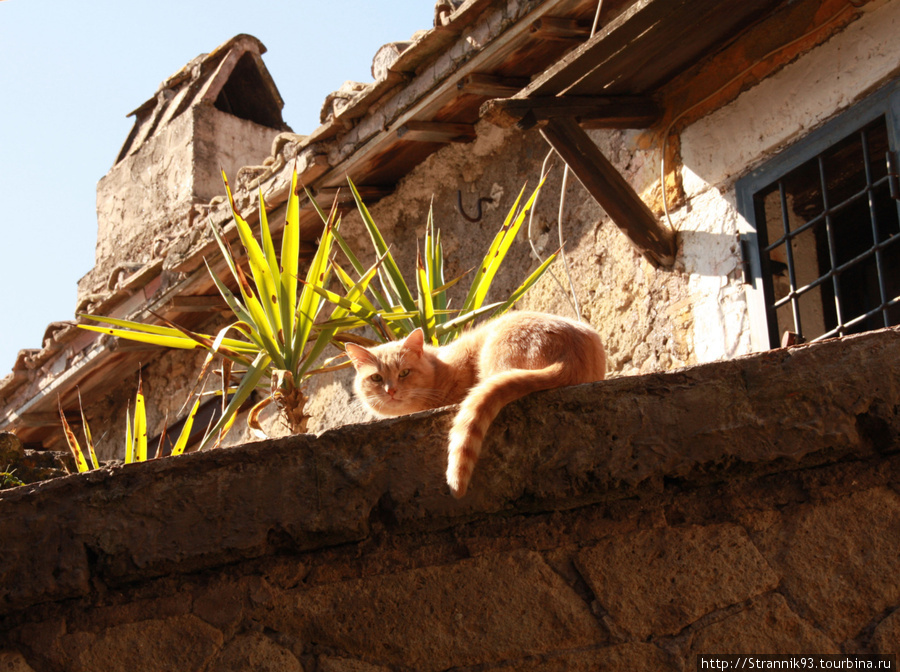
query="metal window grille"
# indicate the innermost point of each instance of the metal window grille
(827, 232)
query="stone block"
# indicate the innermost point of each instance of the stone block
(839, 559)
(886, 638)
(220, 604)
(13, 661)
(491, 608)
(155, 645)
(333, 664)
(765, 625)
(557, 450)
(254, 651)
(656, 582)
(631, 656)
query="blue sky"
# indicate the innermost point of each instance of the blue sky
(70, 72)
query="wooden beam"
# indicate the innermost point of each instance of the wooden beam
(589, 111)
(647, 44)
(196, 304)
(436, 131)
(561, 29)
(325, 196)
(492, 86)
(610, 190)
(38, 419)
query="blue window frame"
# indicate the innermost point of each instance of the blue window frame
(823, 249)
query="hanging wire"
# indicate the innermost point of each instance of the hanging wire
(570, 295)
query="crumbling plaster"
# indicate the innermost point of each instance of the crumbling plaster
(638, 309)
(151, 196)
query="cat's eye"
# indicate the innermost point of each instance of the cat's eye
(376, 378)
(404, 373)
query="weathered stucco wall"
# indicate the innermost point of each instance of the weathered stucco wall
(728, 143)
(628, 524)
(650, 319)
(149, 196)
(640, 311)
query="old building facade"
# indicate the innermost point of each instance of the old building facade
(672, 235)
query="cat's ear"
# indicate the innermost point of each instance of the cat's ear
(415, 341)
(359, 355)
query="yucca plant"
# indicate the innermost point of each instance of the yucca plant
(393, 312)
(135, 434)
(274, 331)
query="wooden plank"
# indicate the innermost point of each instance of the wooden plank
(648, 43)
(558, 28)
(326, 195)
(50, 419)
(492, 86)
(610, 190)
(436, 131)
(196, 304)
(589, 111)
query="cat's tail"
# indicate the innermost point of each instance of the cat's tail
(481, 406)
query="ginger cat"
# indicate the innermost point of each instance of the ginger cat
(483, 370)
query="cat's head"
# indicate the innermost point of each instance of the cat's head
(396, 378)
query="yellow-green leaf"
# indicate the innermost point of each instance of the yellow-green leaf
(247, 385)
(426, 306)
(129, 437)
(392, 273)
(525, 286)
(89, 441)
(290, 260)
(80, 463)
(181, 442)
(140, 425)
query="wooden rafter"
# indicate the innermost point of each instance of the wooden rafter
(485, 84)
(435, 131)
(611, 190)
(558, 28)
(589, 111)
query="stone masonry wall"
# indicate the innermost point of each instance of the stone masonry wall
(744, 506)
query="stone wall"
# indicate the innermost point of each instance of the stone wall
(745, 506)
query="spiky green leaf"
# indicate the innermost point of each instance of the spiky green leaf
(181, 442)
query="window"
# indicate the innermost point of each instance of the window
(824, 250)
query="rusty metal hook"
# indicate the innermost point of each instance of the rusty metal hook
(477, 217)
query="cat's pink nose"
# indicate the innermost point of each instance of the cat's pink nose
(390, 390)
